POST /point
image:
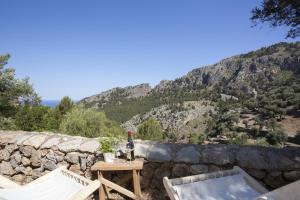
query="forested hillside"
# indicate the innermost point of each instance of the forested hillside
(252, 98)
(263, 84)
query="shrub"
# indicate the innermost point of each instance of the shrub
(52, 120)
(202, 138)
(262, 142)
(239, 139)
(150, 130)
(276, 137)
(31, 118)
(7, 124)
(254, 131)
(65, 105)
(297, 137)
(108, 145)
(89, 123)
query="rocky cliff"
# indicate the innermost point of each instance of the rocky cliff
(130, 92)
(238, 77)
(241, 71)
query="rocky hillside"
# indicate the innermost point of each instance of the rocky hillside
(243, 70)
(239, 71)
(236, 78)
(130, 92)
(190, 118)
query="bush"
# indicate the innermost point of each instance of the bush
(239, 139)
(262, 142)
(150, 130)
(31, 118)
(65, 105)
(52, 120)
(297, 137)
(89, 123)
(202, 138)
(276, 137)
(108, 145)
(7, 124)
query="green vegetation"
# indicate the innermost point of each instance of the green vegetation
(108, 144)
(14, 93)
(222, 121)
(276, 137)
(297, 137)
(264, 84)
(150, 130)
(122, 112)
(20, 109)
(65, 105)
(279, 13)
(270, 105)
(88, 123)
(36, 118)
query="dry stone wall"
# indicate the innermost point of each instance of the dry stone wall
(25, 156)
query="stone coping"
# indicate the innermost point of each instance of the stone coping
(252, 157)
(45, 140)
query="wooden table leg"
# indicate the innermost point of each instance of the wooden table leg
(136, 183)
(101, 189)
(104, 189)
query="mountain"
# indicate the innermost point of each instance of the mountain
(241, 77)
(130, 92)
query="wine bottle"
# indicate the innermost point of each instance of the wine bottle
(130, 146)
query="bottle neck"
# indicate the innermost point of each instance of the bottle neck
(129, 138)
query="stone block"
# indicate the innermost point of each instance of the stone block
(187, 155)
(6, 169)
(160, 153)
(49, 143)
(36, 140)
(90, 146)
(198, 169)
(218, 155)
(70, 145)
(72, 157)
(4, 155)
(292, 175)
(180, 170)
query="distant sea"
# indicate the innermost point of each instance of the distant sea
(50, 103)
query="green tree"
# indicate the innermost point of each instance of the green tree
(297, 137)
(32, 118)
(7, 123)
(14, 92)
(279, 13)
(223, 120)
(65, 105)
(52, 120)
(89, 123)
(150, 130)
(276, 137)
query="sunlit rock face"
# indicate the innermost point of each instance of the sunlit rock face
(25, 156)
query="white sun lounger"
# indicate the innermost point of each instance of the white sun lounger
(60, 184)
(288, 192)
(232, 184)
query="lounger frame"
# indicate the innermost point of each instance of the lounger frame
(169, 183)
(84, 193)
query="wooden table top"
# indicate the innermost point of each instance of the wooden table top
(119, 165)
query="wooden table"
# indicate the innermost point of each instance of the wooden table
(119, 165)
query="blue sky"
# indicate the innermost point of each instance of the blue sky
(79, 48)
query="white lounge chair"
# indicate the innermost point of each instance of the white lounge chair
(60, 184)
(232, 184)
(288, 192)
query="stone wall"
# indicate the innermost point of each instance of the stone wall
(25, 156)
